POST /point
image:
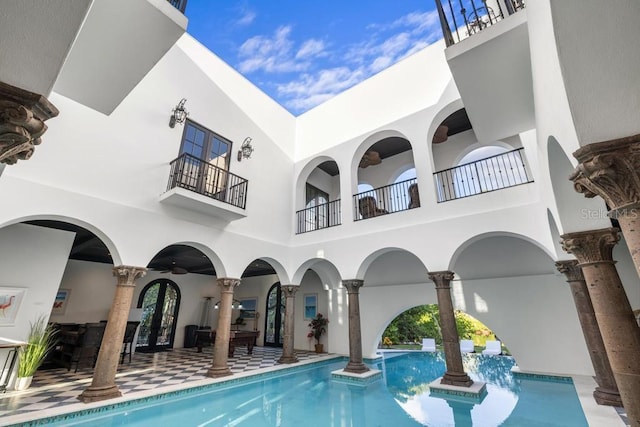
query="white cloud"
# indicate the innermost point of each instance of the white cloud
(311, 48)
(247, 18)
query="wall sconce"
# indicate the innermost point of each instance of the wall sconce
(234, 305)
(179, 114)
(245, 149)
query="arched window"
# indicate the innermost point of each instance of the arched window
(160, 302)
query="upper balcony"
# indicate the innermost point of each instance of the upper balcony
(203, 187)
(117, 45)
(489, 57)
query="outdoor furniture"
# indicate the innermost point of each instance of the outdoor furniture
(76, 347)
(428, 344)
(129, 334)
(12, 347)
(466, 346)
(493, 347)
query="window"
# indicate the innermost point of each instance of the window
(205, 145)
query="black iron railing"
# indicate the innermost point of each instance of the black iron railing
(194, 174)
(181, 5)
(482, 176)
(462, 18)
(385, 200)
(317, 217)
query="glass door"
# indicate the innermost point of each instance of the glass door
(274, 318)
(159, 301)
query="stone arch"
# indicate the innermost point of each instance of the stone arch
(437, 120)
(108, 242)
(281, 272)
(303, 177)
(206, 250)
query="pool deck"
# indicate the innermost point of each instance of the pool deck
(55, 391)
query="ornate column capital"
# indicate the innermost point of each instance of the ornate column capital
(127, 275)
(611, 170)
(353, 285)
(227, 284)
(289, 290)
(22, 117)
(594, 246)
(571, 270)
(442, 279)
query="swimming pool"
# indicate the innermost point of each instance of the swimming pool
(310, 397)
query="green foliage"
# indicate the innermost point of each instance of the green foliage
(40, 341)
(318, 327)
(423, 321)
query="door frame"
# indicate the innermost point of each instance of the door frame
(279, 318)
(157, 315)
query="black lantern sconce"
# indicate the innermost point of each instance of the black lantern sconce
(179, 114)
(245, 149)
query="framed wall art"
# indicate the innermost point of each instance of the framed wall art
(310, 306)
(61, 301)
(10, 301)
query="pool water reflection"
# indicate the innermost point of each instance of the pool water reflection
(310, 397)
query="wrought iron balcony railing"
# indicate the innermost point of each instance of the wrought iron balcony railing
(482, 176)
(181, 5)
(385, 200)
(317, 217)
(194, 174)
(462, 18)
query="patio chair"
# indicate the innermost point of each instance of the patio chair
(127, 342)
(466, 346)
(428, 344)
(493, 347)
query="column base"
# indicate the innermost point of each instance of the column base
(98, 393)
(219, 372)
(288, 359)
(607, 397)
(456, 379)
(356, 368)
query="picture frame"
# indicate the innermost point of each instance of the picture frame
(61, 302)
(249, 307)
(310, 306)
(10, 301)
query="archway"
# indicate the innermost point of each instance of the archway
(319, 199)
(160, 303)
(274, 317)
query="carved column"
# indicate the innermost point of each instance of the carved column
(220, 368)
(455, 374)
(620, 334)
(607, 391)
(288, 355)
(611, 170)
(22, 117)
(103, 385)
(355, 364)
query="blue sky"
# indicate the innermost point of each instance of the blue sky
(301, 52)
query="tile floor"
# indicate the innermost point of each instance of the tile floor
(57, 387)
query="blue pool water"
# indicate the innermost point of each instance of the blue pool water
(309, 397)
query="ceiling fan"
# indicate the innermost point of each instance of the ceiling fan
(173, 269)
(370, 158)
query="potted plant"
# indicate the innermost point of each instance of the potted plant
(318, 327)
(40, 341)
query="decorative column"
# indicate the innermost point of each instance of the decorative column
(22, 117)
(455, 374)
(288, 355)
(220, 368)
(618, 327)
(103, 385)
(355, 364)
(607, 391)
(611, 170)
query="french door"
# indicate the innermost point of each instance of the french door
(159, 301)
(274, 318)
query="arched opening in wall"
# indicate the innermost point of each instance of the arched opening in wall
(412, 326)
(262, 312)
(176, 270)
(321, 199)
(61, 272)
(159, 302)
(378, 167)
(467, 168)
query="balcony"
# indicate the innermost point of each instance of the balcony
(197, 185)
(482, 176)
(181, 5)
(318, 217)
(389, 199)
